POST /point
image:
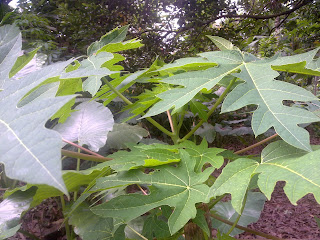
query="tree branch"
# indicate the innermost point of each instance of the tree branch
(257, 17)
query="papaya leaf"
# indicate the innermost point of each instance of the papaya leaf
(206, 131)
(194, 82)
(72, 179)
(89, 125)
(179, 187)
(251, 213)
(261, 89)
(199, 108)
(92, 227)
(279, 162)
(11, 210)
(200, 153)
(114, 36)
(124, 133)
(10, 48)
(121, 46)
(203, 154)
(140, 157)
(24, 138)
(22, 61)
(222, 43)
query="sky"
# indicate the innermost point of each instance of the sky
(13, 3)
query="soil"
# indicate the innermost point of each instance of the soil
(279, 218)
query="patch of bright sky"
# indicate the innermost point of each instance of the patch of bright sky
(13, 4)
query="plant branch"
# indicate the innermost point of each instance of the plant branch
(257, 17)
(256, 144)
(170, 121)
(82, 148)
(210, 112)
(84, 156)
(119, 94)
(245, 229)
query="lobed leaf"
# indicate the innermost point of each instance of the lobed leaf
(279, 162)
(179, 187)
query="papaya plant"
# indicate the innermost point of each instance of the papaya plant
(145, 188)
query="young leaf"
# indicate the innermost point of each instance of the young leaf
(115, 36)
(179, 187)
(89, 125)
(222, 43)
(251, 213)
(23, 137)
(121, 46)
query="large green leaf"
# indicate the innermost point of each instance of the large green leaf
(179, 187)
(88, 125)
(92, 227)
(11, 210)
(251, 213)
(23, 137)
(194, 82)
(261, 89)
(10, 47)
(279, 162)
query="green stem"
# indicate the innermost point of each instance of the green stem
(210, 112)
(133, 230)
(84, 156)
(66, 224)
(239, 216)
(127, 101)
(215, 201)
(175, 137)
(244, 228)
(75, 193)
(159, 126)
